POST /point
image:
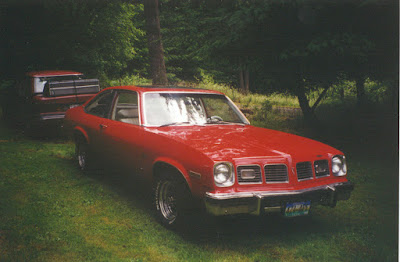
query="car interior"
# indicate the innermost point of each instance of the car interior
(127, 113)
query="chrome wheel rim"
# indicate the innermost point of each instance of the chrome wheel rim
(81, 157)
(168, 201)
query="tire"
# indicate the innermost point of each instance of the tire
(172, 201)
(82, 154)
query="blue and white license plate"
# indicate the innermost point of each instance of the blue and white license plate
(297, 209)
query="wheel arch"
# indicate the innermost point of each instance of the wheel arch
(80, 133)
(164, 166)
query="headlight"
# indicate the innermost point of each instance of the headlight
(223, 175)
(339, 167)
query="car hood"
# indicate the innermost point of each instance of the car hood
(225, 142)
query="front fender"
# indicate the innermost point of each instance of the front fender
(178, 166)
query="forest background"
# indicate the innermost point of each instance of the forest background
(290, 47)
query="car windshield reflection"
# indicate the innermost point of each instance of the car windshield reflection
(166, 109)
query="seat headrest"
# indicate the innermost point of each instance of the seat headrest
(128, 113)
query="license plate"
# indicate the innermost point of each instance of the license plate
(297, 209)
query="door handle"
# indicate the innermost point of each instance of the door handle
(103, 126)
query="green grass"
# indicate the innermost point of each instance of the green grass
(50, 211)
(250, 100)
(127, 80)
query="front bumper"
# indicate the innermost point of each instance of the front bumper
(256, 203)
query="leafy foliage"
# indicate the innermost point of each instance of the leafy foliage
(96, 37)
(294, 47)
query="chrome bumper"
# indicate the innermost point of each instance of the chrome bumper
(44, 117)
(256, 203)
(39, 120)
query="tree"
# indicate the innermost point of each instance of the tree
(156, 50)
(295, 46)
(98, 37)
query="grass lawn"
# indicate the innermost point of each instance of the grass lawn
(50, 211)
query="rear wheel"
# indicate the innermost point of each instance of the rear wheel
(82, 154)
(172, 200)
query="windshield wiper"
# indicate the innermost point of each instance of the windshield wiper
(223, 123)
(217, 123)
(175, 124)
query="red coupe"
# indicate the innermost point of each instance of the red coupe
(195, 146)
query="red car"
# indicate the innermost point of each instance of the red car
(195, 146)
(42, 97)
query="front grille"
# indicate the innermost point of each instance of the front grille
(304, 170)
(321, 168)
(276, 173)
(255, 172)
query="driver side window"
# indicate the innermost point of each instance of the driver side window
(101, 105)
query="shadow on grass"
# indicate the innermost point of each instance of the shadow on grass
(203, 229)
(351, 224)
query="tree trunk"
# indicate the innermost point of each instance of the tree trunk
(395, 95)
(246, 81)
(309, 115)
(321, 96)
(241, 80)
(196, 3)
(360, 90)
(341, 93)
(156, 50)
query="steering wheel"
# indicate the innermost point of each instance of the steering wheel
(215, 119)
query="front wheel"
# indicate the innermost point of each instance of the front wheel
(172, 200)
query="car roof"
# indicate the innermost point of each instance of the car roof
(177, 89)
(52, 73)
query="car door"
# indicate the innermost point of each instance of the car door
(124, 133)
(98, 121)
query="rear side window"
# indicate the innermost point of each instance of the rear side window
(100, 106)
(126, 108)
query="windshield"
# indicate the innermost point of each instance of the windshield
(163, 109)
